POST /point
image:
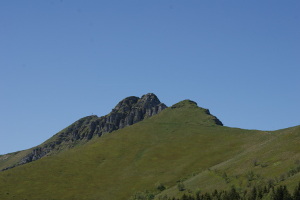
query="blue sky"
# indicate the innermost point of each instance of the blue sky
(63, 60)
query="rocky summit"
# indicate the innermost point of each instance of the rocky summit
(127, 112)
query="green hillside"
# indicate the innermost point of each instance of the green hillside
(183, 143)
(128, 111)
(275, 161)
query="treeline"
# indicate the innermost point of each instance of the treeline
(256, 193)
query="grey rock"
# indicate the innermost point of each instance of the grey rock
(127, 112)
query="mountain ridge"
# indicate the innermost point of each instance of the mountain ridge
(128, 111)
(182, 144)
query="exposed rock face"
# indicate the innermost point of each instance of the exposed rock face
(133, 109)
(127, 112)
(216, 120)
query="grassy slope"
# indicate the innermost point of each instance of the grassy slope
(11, 159)
(274, 158)
(179, 143)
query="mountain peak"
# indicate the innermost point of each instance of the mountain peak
(192, 105)
(127, 112)
(125, 103)
(185, 103)
(148, 100)
(149, 96)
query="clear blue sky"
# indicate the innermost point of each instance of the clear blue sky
(63, 60)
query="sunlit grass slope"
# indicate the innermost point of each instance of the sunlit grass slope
(183, 142)
(275, 161)
(11, 159)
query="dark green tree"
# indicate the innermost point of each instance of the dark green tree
(260, 193)
(216, 195)
(180, 186)
(253, 194)
(281, 193)
(207, 196)
(160, 186)
(233, 194)
(297, 193)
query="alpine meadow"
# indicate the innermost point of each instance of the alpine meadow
(146, 150)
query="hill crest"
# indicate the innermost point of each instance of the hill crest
(127, 112)
(206, 115)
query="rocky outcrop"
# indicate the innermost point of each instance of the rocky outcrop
(132, 110)
(127, 112)
(215, 119)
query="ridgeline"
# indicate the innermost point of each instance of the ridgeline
(144, 150)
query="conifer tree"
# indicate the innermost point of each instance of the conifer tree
(282, 193)
(233, 194)
(253, 194)
(297, 193)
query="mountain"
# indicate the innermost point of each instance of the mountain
(183, 144)
(127, 112)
